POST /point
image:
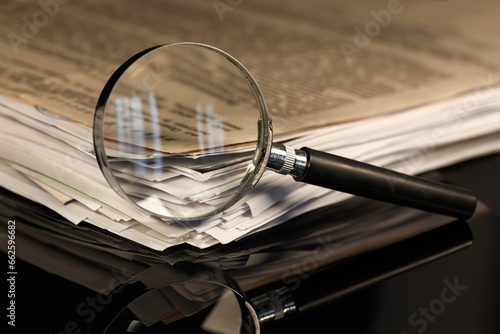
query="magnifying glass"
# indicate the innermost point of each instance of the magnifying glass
(183, 131)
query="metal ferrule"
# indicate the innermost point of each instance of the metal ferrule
(287, 160)
(274, 305)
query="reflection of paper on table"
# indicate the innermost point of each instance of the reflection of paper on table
(425, 55)
(179, 300)
(225, 317)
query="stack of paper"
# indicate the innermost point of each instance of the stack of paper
(409, 99)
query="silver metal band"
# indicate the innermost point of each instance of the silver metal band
(287, 160)
(274, 305)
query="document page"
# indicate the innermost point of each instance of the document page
(317, 62)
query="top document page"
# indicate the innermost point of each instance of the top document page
(317, 62)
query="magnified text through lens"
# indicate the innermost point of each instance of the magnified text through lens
(181, 131)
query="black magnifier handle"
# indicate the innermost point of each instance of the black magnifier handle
(357, 178)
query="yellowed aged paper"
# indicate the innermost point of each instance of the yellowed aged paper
(317, 62)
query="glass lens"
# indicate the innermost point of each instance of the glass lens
(187, 307)
(182, 131)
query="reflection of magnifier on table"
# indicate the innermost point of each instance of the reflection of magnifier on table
(198, 299)
(183, 131)
(164, 299)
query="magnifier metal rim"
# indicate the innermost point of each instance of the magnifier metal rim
(264, 140)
